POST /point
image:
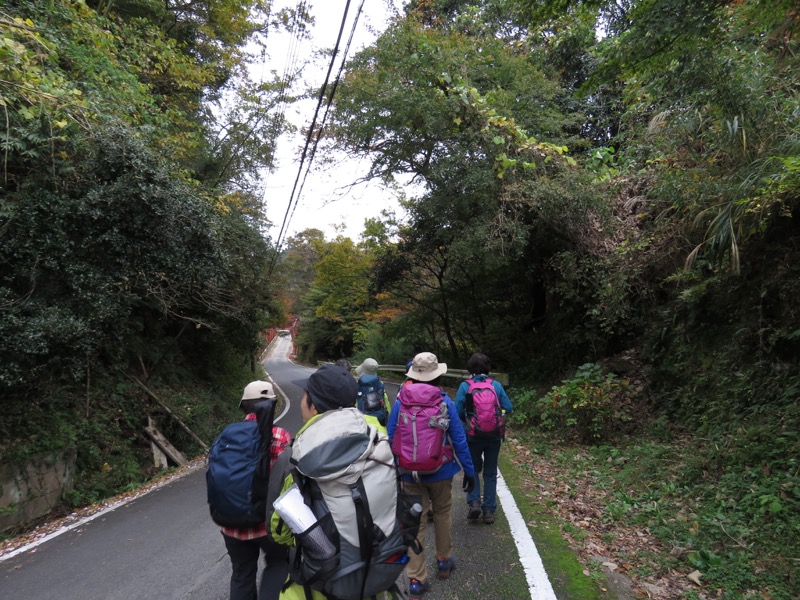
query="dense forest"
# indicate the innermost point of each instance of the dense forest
(131, 218)
(609, 208)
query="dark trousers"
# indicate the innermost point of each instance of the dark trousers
(244, 561)
(485, 454)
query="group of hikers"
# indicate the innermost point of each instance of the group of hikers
(340, 511)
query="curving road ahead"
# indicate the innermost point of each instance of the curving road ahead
(164, 546)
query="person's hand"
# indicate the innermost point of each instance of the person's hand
(468, 484)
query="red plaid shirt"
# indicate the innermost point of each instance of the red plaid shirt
(280, 441)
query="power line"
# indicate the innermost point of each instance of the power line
(288, 73)
(292, 198)
(321, 96)
(328, 105)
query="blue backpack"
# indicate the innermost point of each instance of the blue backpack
(238, 471)
(370, 399)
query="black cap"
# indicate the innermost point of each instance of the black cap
(330, 387)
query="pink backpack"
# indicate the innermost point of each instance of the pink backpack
(419, 439)
(484, 413)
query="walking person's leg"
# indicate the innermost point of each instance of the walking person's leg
(275, 570)
(491, 454)
(244, 565)
(441, 493)
(474, 497)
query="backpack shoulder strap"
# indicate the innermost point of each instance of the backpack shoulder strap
(364, 524)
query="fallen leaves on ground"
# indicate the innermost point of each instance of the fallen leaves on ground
(631, 550)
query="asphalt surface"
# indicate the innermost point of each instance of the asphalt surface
(164, 546)
(487, 563)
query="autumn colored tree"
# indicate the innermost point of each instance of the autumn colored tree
(338, 300)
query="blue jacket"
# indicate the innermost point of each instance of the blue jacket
(456, 437)
(461, 395)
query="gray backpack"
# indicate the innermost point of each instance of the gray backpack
(346, 474)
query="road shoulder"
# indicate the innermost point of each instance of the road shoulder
(571, 580)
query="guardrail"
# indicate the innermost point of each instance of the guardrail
(459, 374)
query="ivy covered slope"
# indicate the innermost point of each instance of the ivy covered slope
(608, 196)
(129, 224)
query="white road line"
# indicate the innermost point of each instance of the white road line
(265, 357)
(286, 402)
(117, 504)
(113, 506)
(538, 583)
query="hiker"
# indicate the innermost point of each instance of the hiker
(345, 364)
(484, 444)
(245, 545)
(432, 475)
(340, 464)
(407, 381)
(372, 398)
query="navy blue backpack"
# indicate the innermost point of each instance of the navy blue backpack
(370, 399)
(238, 470)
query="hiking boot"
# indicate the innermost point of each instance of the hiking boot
(416, 588)
(474, 510)
(488, 517)
(446, 566)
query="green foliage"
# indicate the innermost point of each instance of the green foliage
(129, 231)
(475, 261)
(337, 301)
(526, 409)
(386, 344)
(119, 247)
(592, 404)
(715, 517)
(602, 163)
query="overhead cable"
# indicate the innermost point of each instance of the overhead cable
(328, 106)
(311, 128)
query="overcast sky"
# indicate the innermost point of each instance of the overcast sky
(326, 200)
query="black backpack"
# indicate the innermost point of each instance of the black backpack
(238, 470)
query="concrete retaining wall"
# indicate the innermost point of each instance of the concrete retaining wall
(33, 490)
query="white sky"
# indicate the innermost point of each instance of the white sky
(326, 200)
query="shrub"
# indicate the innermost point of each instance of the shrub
(526, 409)
(592, 404)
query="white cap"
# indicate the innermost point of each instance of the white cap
(368, 367)
(256, 390)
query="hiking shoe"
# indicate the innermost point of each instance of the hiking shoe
(474, 510)
(488, 517)
(416, 588)
(446, 566)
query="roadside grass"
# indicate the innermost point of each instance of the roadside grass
(565, 571)
(716, 514)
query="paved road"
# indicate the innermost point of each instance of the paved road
(488, 565)
(163, 545)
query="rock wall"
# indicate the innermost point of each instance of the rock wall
(30, 491)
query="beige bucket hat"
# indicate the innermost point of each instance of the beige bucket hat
(426, 367)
